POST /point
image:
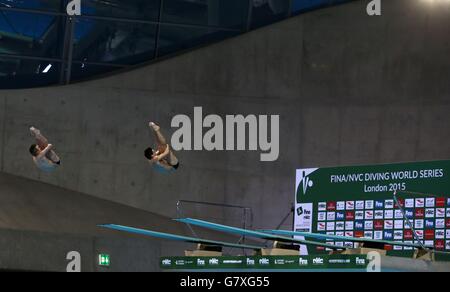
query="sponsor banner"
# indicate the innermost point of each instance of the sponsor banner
(429, 234)
(388, 224)
(398, 247)
(348, 234)
(359, 215)
(349, 225)
(408, 235)
(409, 214)
(420, 213)
(408, 224)
(322, 206)
(378, 224)
(350, 205)
(420, 203)
(398, 214)
(440, 244)
(440, 212)
(389, 204)
(419, 234)
(359, 225)
(369, 204)
(321, 216)
(265, 262)
(379, 204)
(430, 202)
(331, 206)
(379, 214)
(419, 224)
(408, 247)
(378, 235)
(429, 213)
(388, 214)
(331, 226)
(429, 223)
(440, 234)
(398, 235)
(440, 202)
(388, 235)
(331, 216)
(398, 224)
(401, 202)
(409, 203)
(340, 225)
(361, 199)
(359, 205)
(440, 223)
(350, 215)
(429, 243)
(321, 226)
(304, 215)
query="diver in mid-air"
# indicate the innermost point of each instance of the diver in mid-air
(162, 157)
(43, 154)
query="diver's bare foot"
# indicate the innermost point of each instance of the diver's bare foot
(34, 131)
(154, 126)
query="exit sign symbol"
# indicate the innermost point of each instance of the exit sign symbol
(104, 260)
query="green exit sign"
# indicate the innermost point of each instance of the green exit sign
(104, 260)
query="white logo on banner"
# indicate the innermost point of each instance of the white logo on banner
(359, 215)
(398, 214)
(398, 224)
(378, 235)
(418, 224)
(420, 203)
(389, 214)
(369, 204)
(409, 203)
(340, 206)
(440, 212)
(303, 180)
(389, 204)
(440, 223)
(440, 234)
(429, 202)
(359, 205)
(349, 225)
(303, 222)
(350, 205)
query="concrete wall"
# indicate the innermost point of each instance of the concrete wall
(47, 252)
(41, 223)
(349, 89)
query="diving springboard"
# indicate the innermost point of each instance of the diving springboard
(256, 234)
(178, 237)
(340, 238)
(353, 239)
